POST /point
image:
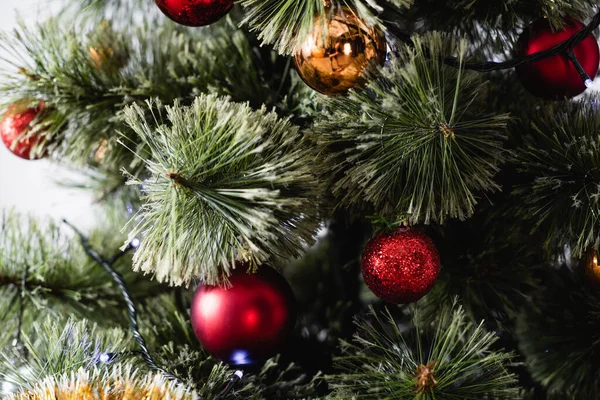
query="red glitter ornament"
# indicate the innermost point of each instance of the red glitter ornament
(195, 12)
(14, 129)
(556, 76)
(247, 322)
(400, 266)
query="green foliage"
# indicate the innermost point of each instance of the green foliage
(493, 274)
(417, 141)
(53, 348)
(84, 96)
(561, 161)
(453, 359)
(59, 278)
(273, 380)
(559, 335)
(284, 24)
(225, 182)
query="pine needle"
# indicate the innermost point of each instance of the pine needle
(454, 359)
(561, 160)
(225, 182)
(418, 141)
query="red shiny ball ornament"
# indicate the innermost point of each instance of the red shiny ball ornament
(400, 266)
(248, 322)
(195, 12)
(14, 129)
(556, 76)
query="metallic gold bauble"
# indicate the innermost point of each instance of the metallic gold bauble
(332, 61)
(591, 267)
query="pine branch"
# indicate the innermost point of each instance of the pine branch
(53, 349)
(454, 360)
(559, 336)
(58, 279)
(561, 160)
(286, 24)
(85, 82)
(493, 274)
(418, 141)
(225, 182)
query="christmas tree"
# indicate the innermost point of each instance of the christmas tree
(384, 199)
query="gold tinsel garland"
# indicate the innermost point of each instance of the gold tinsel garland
(118, 383)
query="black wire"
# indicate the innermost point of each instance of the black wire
(488, 66)
(17, 342)
(131, 309)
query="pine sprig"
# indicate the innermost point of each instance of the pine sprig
(453, 359)
(86, 77)
(58, 278)
(53, 349)
(493, 274)
(225, 182)
(418, 142)
(561, 160)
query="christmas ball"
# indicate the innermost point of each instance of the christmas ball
(247, 322)
(400, 266)
(195, 12)
(332, 61)
(556, 76)
(15, 132)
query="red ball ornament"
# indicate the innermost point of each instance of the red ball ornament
(400, 266)
(14, 131)
(195, 12)
(247, 322)
(556, 76)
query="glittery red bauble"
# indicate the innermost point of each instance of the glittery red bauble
(556, 76)
(195, 12)
(14, 129)
(247, 322)
(400, 266)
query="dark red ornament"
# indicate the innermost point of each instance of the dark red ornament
(400, 266)
(556, 76)
(14, 131)
(248, 322)
(195, 12)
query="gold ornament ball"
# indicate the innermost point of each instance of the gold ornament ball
(332, 61)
